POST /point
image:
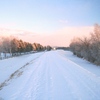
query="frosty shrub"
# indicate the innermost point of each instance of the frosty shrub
(88, 48)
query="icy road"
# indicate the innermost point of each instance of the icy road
(48, 76)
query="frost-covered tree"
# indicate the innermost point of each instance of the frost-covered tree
(88, 48)
(14, 46)
(95, 44)
(6, 45)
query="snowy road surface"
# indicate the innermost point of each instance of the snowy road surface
(52, 76)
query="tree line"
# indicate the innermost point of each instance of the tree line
(16, 46)
(88, 48)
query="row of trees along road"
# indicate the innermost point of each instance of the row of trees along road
(16, 47)
(88, 48)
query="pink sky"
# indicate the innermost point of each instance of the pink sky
(61, 37)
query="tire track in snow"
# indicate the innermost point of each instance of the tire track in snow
(33, 81)
(80, 80)
(54, 77)
(65, 58)
(43, 92)
(17, 73)
(60, 87)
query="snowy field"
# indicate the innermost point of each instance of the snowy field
(8, 55)
(2, 55)
(53, 75)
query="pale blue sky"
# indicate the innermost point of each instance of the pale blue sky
(47, 16)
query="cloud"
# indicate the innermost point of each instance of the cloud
(25, 33)
(6, 25)
(63, 21)
(61, 37)
(15, 32)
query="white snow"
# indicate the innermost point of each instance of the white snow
(2, 55)
(8, 66)
(53, 75)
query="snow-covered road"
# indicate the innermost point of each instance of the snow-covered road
(52, 76)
